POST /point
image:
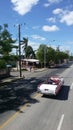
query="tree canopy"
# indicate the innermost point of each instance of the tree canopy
(6, 43)
(48, 55)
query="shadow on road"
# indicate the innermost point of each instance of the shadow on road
(15, 94)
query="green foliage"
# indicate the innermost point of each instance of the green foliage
(60, 56)
(71, 58)
(6, 44)
(50, 55)
(2, 64)
(29, 53)
(5, 41)
(11, 60)
(40, 53)
(25, 41)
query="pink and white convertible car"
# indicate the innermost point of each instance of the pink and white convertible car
(52, 86)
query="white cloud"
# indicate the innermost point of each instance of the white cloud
(51, 19)
(50, 2)
(68, 18)
(37, 37)
(52, 28)
(23, 6)
(54, 1)
(46, 4)
(65, 16)
(35, 45)
(57, 11)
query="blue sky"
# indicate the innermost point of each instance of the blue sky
(42, 21)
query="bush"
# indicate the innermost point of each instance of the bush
(2, 64)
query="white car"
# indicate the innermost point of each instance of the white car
(52, 86)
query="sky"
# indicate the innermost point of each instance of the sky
(47, 22)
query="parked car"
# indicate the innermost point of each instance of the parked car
(8, 65)
(52, 86)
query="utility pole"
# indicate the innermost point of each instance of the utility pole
(19, 50)
(44, 57)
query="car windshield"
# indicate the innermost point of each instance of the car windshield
(51, 81)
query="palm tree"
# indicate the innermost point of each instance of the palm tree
(25, 44)
(29, 52)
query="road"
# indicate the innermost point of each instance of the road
(37, 112)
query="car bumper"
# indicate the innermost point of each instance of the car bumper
(48, 92)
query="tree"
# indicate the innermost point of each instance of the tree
(25, 44)
(6, 43)
(60, 56)
(16, 47)
(25, 41)
(50, 56)
(41, 54)
(29, 52)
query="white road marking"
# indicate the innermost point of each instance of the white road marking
(60, 123)
(71, 87)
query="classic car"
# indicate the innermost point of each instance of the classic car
(51, 86)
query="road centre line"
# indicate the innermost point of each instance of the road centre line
(60, 123)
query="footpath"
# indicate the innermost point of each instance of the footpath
(14, 75)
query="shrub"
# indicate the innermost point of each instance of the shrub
(2, 64)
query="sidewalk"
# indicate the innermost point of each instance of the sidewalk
(15, 76)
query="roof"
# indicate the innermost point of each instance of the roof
(31, 60)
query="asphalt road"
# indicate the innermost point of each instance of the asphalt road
(20, 109)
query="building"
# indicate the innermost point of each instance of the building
(28, 64)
